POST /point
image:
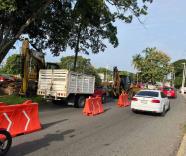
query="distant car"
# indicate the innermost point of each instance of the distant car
(182, 90)
(6, 78)
(169, 91)
(150, 101)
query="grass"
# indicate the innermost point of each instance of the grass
(184, 129)
(12, 99)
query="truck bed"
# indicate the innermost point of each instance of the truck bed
(62, 83)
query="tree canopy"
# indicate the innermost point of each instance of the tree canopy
(56, 24)
(13, 65)
(108, 74)
(83, 66)
(178, 69)
(153, 65)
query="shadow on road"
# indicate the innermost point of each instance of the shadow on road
(29, 147)
(107, 109)
(47, 125)
(147, 113)
(51, 106)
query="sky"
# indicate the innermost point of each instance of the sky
(164, 27)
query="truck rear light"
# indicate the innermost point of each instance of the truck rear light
(134, 99)
(155, 101)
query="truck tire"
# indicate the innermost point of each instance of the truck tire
(79, 102)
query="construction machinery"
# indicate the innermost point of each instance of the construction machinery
(123, 83)
(31, 62)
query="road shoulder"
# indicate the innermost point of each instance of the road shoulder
(182, 148)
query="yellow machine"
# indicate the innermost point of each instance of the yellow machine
(123, 83)
(32, 61)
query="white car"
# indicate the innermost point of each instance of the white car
(151, 101)
(182, 90)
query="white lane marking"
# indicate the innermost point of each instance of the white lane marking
(10, 122)
(26, 127)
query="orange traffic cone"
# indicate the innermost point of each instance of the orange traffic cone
(121, 100)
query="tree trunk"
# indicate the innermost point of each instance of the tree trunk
(5, 49)
(75, 58)
(77, 48)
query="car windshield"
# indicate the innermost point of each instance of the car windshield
(148, 93)
(167, 88)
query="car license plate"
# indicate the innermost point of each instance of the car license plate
(144, 101)
(169, 94)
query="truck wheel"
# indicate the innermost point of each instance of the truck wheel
(80, 102)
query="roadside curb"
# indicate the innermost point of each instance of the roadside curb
(182, 148)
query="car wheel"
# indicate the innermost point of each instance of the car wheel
(134, 111)
(168, 107)
(164, 111)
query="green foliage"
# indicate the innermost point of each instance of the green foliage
(13, 65)
(153, 66)
(7, 5)
(12, 99)
(178, 69)
(56, 25)
(107, 73)
(83, 66)
(124, 73)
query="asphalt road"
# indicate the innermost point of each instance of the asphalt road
(116, 132)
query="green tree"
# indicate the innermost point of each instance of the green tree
(178, 70)
(108, 74)
(13, 65)
(153, 66)
(50, 23)
(83, 66)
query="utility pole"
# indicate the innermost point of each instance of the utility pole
(173, 77)
(183, 80)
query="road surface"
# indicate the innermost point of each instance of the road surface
(116, 132)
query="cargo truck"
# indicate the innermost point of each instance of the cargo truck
(64, 86)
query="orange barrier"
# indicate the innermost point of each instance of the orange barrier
(93, 106)
(123, 100)
(2, 104)
(20, 119)
(127, 102)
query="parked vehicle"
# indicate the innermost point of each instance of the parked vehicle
(182, 90)
(169, 91)
(5, 142)
(122, 82)
(6, 78)
(101, 92)
(151, 101)
(67, 86)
